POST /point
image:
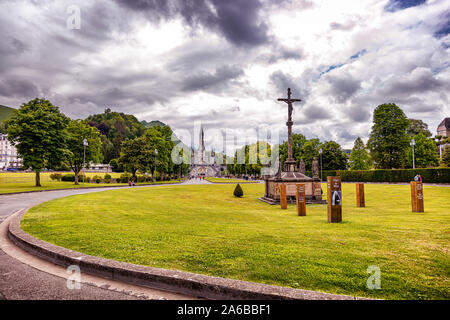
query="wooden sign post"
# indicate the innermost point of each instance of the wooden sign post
(283, 198)
(417, 196)
(334, 199)
(360, 200)
(301, 199)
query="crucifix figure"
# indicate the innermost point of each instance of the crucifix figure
(290, 163)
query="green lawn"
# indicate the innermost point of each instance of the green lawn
(226, 180)
(24, 181)
(204, 229)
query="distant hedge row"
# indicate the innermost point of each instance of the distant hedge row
(434, 175)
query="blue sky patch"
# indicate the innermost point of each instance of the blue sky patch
(395, 5)
(324, 69)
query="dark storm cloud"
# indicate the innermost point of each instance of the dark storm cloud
(358, 112)
(15, 87)
(343, 87)
(238, 21)
(211, 81)
(315, 113)
(420, 80)
(283, 81)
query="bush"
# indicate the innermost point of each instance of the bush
(107, 178)
(124, 178)
(140, 178)
(238, 191)
(56, 176)
(71, 177)
(97, 179)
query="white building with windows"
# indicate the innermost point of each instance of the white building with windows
(8, 154)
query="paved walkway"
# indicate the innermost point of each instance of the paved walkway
(22, 275)
(196, 181)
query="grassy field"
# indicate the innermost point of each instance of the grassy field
(24, 181)
(204, 229)
(226, 180)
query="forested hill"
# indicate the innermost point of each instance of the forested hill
(114, 128)
(152, 123)
(5, 112)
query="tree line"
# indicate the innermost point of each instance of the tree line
(47, 139)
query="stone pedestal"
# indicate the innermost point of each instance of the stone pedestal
(313, 191)
(360, 200)
(334, 199)
(301, 200)
(417, 196)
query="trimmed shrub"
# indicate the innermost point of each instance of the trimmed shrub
(71, 177)
(56, 176)
(431, 175)
(124, 178)
(97, 179)
(238, 192)
(107, 178)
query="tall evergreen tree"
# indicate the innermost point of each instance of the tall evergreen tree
(359, 158)
(389, 142)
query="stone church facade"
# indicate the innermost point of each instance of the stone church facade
(203, 163)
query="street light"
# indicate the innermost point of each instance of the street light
(413, 143)
(154, 176)
(320, 153)
(181, 164)
(85, 144)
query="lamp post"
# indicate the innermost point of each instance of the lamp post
(181, 164)
(154, 175)
(320, 153)
(413, 143)
(85, 144)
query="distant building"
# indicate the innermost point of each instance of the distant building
(443, 129)
(9, 158)
(203, 164)
(99, 168)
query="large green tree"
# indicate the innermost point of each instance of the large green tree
(77, 131)
(37, 129)
(359, 158)
(333, 157)
(445, 161)
(389, 142)
(425, 152)
(416, 127)
(309, 151)
(298, 140)
(135, 154)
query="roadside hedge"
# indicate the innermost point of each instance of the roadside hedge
(432, 175)
(71, 177)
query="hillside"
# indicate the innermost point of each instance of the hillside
(152, 123)
(5, 112)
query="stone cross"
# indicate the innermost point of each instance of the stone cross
(289, 123)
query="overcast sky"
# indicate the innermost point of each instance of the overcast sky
(225, 62)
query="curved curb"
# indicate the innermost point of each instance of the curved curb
(175, 281)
